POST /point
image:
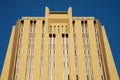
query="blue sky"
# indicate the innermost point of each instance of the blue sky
(107, 11)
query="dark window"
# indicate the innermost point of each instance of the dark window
(43, 22)
(81, 22)
(34, 22)
(94, 21)
(50, 35)
(102, 77)
(54, 35)
(68, 77)
(77, 77)
(22, 21)
(87, 77)
(75, 53)
(73, 22)
(98, 52)
(85, 22)
(66, 35)
(30, 21)
(63, 35)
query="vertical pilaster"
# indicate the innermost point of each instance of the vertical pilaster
(80, 50)
(71, 56)
(37, 55)
(59, 59)
(109, 62)
(46, 51)
(24, 50)
(93, 51)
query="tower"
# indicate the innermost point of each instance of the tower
(59, 46)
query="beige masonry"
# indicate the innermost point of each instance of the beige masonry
(58, 46)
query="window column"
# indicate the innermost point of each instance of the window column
(75, 51)
(19, 51)
(30, 53)
(87, 54)
(98, 50)
(42, 52)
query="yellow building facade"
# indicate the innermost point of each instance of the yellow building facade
(59, 46)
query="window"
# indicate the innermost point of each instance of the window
(85, 23)
(76, 64)
(68, 77)
(86, 30)
(88, 52)
(77, 77)
(83, 40)
(98, 53)
(67, 64)
(87, 35)
(66, 29)
(50, 35)
(66, 35)
(87, 77)
(34, 26)
(58, 29)
(54, 35)
(50, 29)
(54, 29)
(62, 29)
(74, 35)
(63, 35)
(83, 35)
(102, 77)
(84, 52)
(94, 23)
(82, 23)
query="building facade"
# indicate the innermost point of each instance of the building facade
(59, 46)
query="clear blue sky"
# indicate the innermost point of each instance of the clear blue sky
(107, 11)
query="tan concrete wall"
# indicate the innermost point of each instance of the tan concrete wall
(111, 65)
(5, 70)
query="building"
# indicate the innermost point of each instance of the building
(59, 46)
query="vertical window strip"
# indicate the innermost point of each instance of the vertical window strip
(54, 59)
(66, 29)
(67, 56)
(42, 52)
(30, 53)
(75, 51)
(19, 51)
(87, 56)
(32, 48)
(63, 53)
(58, 29)
(52, 56)
(98, 50)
